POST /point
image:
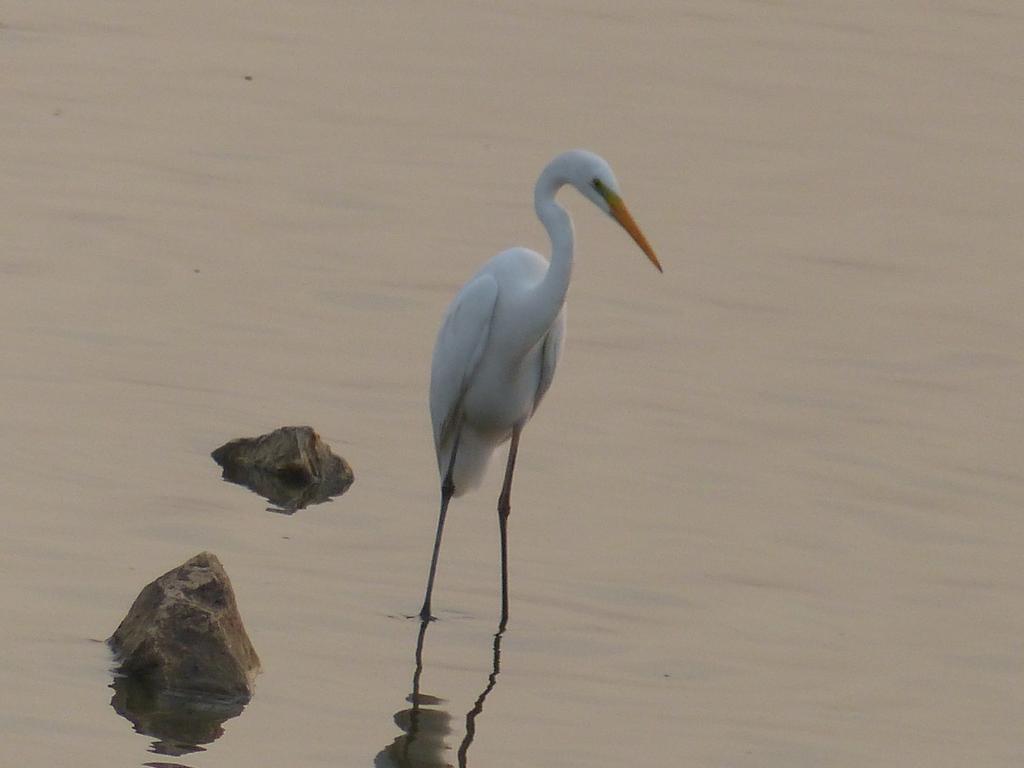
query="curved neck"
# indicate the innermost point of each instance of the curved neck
(545, 301)
(559, 227)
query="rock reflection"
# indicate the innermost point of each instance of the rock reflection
(180, 725)
(425, 725)
(284, 492)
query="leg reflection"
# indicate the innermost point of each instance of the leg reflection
(478, 706)
(426, 725)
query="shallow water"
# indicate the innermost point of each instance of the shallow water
(769, 514)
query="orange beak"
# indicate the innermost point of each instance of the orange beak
(622, 215)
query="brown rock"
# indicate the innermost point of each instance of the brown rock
(291, 466)
(184, 635)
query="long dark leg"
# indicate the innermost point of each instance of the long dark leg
(504, 507)
(447, 489)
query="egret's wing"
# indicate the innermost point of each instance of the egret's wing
(460, 345)
(550, 353)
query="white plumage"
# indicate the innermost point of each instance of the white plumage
(500, 340)
(476, 378)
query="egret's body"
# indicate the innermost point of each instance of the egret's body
(500, 340)
(508, 379)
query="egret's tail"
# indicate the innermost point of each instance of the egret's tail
(475, 451)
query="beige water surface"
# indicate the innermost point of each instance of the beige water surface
(770, 513)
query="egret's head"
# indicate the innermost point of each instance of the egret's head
(593, 177)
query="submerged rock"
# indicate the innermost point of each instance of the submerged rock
(291, 467)
(183, 637)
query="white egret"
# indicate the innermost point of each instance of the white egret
(499, 344)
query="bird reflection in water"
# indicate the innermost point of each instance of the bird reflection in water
(426, 725)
